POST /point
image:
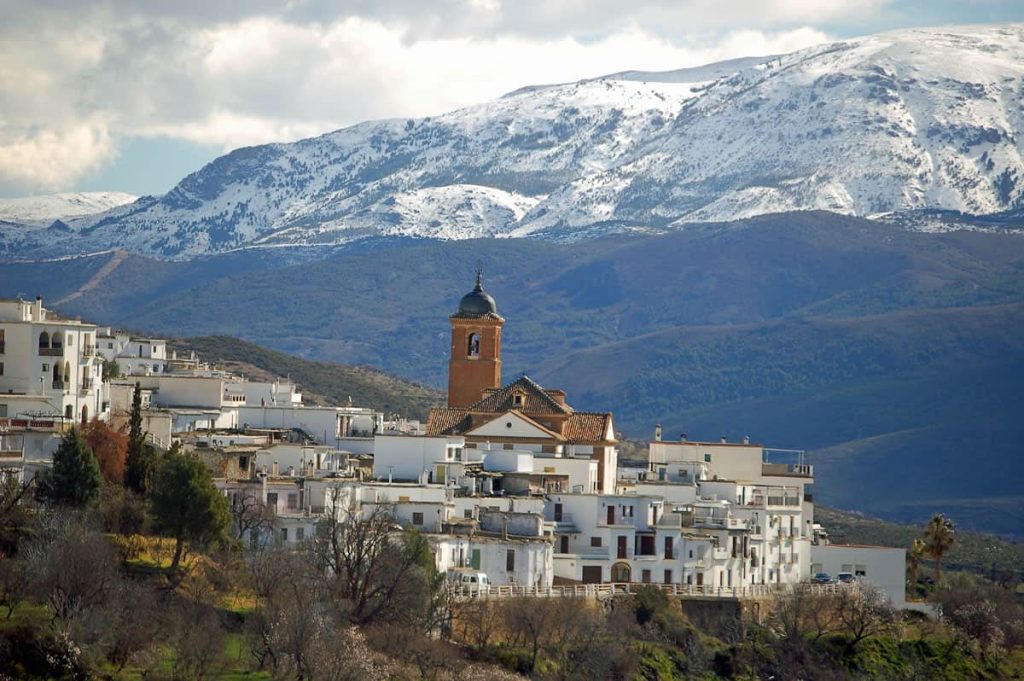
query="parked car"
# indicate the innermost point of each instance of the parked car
(823, 578)
(846, 578)
(467, 578)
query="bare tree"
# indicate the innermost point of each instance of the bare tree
(529, 622)
(864, 612)
(381, 570)
(73, 569)
(249, 515)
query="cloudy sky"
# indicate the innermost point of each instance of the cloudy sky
(131, 96)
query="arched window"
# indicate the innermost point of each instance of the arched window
(473, 345)
(57, 380)
(56, 341)
(85, 414)
(69, 412)
(44, 341)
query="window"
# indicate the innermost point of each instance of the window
(110, 346)
(510, 560)
(467, 513)
(46, 367)
(417, 518)
(509, 445)
(3, 410)
(627, 511)
(473, 345)
(668, 576)
(300, 534)
(293, 501)
(1, 368)
(517, 400)
(272, 500)
(595, 541)
(645, 576)
(707, 457)
(243, 463)
(284, 534)
(861, 571)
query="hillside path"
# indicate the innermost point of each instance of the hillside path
(96, 279)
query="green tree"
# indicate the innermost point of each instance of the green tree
(139, 460)
(185, 503)
(75, 477)
(111, 369)
(939, 535)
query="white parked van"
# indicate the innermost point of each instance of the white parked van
(467, 578)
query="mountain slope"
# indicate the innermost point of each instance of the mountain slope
(909, 120)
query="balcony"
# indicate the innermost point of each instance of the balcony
(88, 350)
(58, 385)
(51, 352)
(86, 385)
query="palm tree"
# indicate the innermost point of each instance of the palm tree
(938, 538)
(917, 550)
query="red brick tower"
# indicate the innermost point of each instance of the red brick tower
(475, 363)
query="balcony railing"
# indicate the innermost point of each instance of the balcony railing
(51, 352)
(58, 385)
(85, 385)
(88, 350)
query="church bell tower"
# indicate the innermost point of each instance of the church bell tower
(475, 363)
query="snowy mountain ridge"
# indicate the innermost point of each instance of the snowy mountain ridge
(49, 207)
(921, 119)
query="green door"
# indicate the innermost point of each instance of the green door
(474, 560)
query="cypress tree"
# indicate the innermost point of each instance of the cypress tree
(138, 461)
(74, 479)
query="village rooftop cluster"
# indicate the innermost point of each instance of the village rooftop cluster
(511, 485)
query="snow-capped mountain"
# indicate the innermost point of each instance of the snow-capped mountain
(49, 207)
(913, 119)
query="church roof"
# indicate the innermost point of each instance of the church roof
(579, 426)
(585, 426)
(535, 400)
(447, 421)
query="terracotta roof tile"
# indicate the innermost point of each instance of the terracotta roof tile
(584, 426)
(447, 421)
(535, 399)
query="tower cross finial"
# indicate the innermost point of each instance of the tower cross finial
(479, 276)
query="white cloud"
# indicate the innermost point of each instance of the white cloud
(51, 160)
(74, 78)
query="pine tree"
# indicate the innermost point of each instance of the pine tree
(75, 478)
(138, 462)
(185, 503)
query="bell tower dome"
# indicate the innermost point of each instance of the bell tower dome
(475, 363)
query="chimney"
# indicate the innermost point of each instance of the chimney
(37, 313)
(274, 470)
(724, 440)
(657, 433)
(746, 439)
(682, 437)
